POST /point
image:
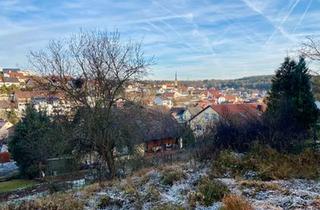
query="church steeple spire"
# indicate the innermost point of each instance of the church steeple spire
(176, 80)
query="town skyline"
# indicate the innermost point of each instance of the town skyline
(215, 40)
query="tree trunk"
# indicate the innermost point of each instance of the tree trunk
(111, 165)
(314, 132)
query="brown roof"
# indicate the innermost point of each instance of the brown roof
(36, 93)
(152, 124)
(194, 110)
(5, 104)
(29, 94)
(201, 110)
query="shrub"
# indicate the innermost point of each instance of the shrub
(271, 164)
(236, 133)
(268, 164)
(104, 202)
(212, 190)
(170, 176)
(234, 202)
(227, 163)
(194, 197)
(130, 189)
(152, 194)
(107, 201)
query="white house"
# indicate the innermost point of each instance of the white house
(5, 126)
(9, 81)
(163, 102)
(221, 100)
(201, 120)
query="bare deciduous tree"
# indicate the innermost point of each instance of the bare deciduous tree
(311, 49)
(91, 69)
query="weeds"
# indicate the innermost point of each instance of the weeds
(208, 191)
(234, 202)
(261, 186)
(170, 176)
(57, 202)
(107, 201)
(268, 164)
(152, 194)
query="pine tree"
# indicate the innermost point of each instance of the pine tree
(29, 145)
(291, 109)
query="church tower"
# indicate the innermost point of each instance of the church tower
(176, 80)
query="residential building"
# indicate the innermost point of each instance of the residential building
(239, 113)
(5, 129)
(161, 101)
(203, 121)
(9, 81)
(160, 131)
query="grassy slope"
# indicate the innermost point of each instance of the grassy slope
(15, 184)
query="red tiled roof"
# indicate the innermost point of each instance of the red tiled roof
(259, 106)
(168, 95)
(230, 97)
(214, 93)
(237, 111)
(5, 104)
(30, 94)
(16, 74)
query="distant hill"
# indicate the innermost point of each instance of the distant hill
(253, 82)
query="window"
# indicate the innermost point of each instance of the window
(207, 116)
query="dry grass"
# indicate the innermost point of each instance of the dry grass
(152, 194)
(208, 191)
(106, 201)
(170, 175)
(130, 188)
(226, 163)
(316, 203)
(234, 202)
(268, 164)
(260, 185)
(91, 189)
(59, 201)
(194, 198)
(142, 172)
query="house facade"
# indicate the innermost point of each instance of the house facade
(202, 122)
(161, 101)
(159, 130)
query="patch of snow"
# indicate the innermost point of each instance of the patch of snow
(8, 168)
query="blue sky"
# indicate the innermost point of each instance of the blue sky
(199, 39)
